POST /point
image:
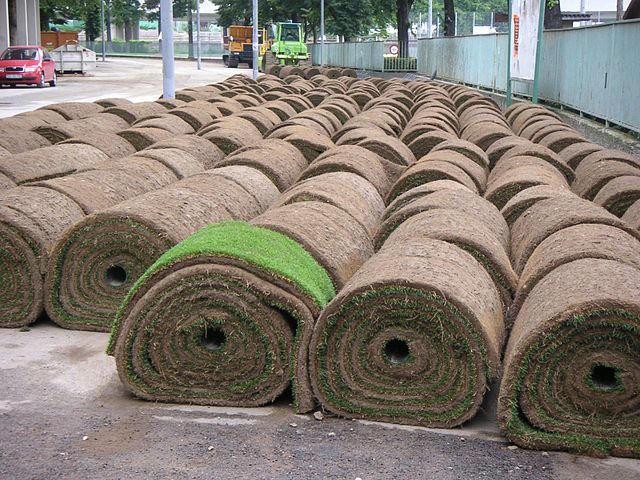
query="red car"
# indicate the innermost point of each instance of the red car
(30, 65)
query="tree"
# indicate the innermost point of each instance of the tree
(126, 13)
(92, 20)
(552, 15)
(402, 15)
(449, 18)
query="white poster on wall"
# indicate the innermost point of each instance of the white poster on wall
(525, 17)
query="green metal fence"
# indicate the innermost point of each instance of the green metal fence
(593, 70)
(152, 49)
(362, 56)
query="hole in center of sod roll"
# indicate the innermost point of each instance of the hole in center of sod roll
(604, 377)
(213, 338)
(116, 276)
(397, 351)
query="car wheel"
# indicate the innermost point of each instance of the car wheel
(42, 83)
(54, 80)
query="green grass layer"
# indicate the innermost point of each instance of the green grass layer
(261, 247)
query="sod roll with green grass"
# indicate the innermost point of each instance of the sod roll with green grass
(414, 337)
(97, 261)
(223, 318)
(32, 219)
(572, 364)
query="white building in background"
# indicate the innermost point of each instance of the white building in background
(600, 10)
(19, 22)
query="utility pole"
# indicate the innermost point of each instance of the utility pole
(322, 33)
(168, 74)
(198, 54)
(430, 17)
(102, 25)
(255, 45)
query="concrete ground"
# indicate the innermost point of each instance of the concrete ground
(64, 413)
(137, 79)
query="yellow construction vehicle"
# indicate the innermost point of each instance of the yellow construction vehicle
(238, 45)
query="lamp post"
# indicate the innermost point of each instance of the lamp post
(168, 74)
(102, 25)
(254, 42)
(322, 33)
(198, 57)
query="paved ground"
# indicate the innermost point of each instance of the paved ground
(135, 79)
(64, 414)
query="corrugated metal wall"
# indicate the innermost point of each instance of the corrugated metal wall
(595, 70)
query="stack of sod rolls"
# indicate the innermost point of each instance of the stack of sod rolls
(34, 218)
(242, 335)
(415, 336)
(119, 243)
(571, 366)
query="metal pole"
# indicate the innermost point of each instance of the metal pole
(198, 54)
(102, 28)
(254, 42)
(509, 45)
(168, 74)
(536, 75)
(322, 33)
(430, 17)
(455, 30)
(473, 23)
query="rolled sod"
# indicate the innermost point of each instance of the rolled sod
(281, 167)
(305, 139)
(538, 151)
(6, 182)
(354, 159)
(507, 163)
(178, 161)
(75, 110)
(504, 187)
(137, 111)
(200, 148)
(196, 117)
(99, 189)
(143, 137)
(111, 144)
(223, 318)
(413, 338)
(551, 215)
(105, 122)
(50, 162)
(112, 102)
(447, 198)
(426, 171)
(590, 179)
(419, 192)
(96, 262)
(171, 123)
(20, 141)
(352, 136)
(569, 244)
(347, 191)
(467, 231)
(477, 173)
(468, 149)
(576, 152)
(502, 146)
(607, 154)
(331, 235)
(31, 221)
(525, 199)
(619, 194)
(572, 367)
(389, 148)
(632, 215)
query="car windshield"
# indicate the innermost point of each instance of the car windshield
(290, 33)
(20, 54)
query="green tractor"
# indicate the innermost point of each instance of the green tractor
(287, 45)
